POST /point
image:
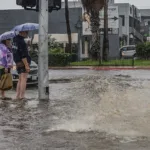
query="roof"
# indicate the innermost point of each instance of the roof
(145, 12)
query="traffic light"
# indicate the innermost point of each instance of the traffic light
(27, 3)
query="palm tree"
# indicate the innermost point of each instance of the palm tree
(106, 39)
(68, 26)
(93, 7)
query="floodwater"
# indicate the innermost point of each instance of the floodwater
(90, 110)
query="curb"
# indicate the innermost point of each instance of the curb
(120, 68)
(99, 68)
(70, 68)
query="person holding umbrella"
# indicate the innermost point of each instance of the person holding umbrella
(6, 57)
(21, 56)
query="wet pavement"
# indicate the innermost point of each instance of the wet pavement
(90, 110)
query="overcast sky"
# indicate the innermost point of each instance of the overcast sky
(11, 4)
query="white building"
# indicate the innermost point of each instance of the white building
(131, 20)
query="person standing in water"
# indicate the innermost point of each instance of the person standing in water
(6, 61)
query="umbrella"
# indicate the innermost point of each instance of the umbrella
(26, 27)
(7, 35)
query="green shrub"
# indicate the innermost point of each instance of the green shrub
(147, 47)
(56, 59)
(74, 57)
(143, 50)
(56, 50)
(60, 59)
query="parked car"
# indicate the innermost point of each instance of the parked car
(32, 77)
(128, 51)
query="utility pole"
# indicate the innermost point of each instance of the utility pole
(43, 74)
(68, 26)
(106, 38)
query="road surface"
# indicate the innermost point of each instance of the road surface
(91, 110)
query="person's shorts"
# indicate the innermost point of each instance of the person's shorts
(21, 70)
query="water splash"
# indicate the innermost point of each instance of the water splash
(113, 105)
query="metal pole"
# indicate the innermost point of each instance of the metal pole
(101, 52)
(78, 44)
(149, 30)
(43, 76)
(106, 38)
(79, 28)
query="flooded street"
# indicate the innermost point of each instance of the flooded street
(88, 110)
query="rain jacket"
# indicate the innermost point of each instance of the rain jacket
(20, 50)
(6, 57)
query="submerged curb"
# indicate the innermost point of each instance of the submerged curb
(121, 68)
(99, 68)
(70, 68)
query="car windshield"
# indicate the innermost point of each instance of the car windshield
(131, 48)
(124, 49)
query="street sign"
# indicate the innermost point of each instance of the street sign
(113, 14)
(113, 20)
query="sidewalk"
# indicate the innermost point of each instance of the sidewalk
(101, 68)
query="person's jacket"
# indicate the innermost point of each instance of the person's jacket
(20, 50)
(6, 57)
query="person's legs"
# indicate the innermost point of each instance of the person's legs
(2, 72)
(3, 94)
(23, 85)
(18, 88)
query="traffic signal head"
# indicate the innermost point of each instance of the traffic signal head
(26, 3)
(29, 4)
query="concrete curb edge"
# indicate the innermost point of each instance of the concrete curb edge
(99, 68)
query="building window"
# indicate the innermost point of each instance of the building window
(130, 10)
(135, 12)
(131, 22)
(123, 20)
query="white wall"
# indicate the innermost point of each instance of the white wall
(62, 38)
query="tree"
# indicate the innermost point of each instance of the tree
(68, 26)
(93, 7)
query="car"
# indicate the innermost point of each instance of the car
(32, 76)
(128, 51)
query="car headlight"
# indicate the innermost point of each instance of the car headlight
(122, 53)
(14, 67)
